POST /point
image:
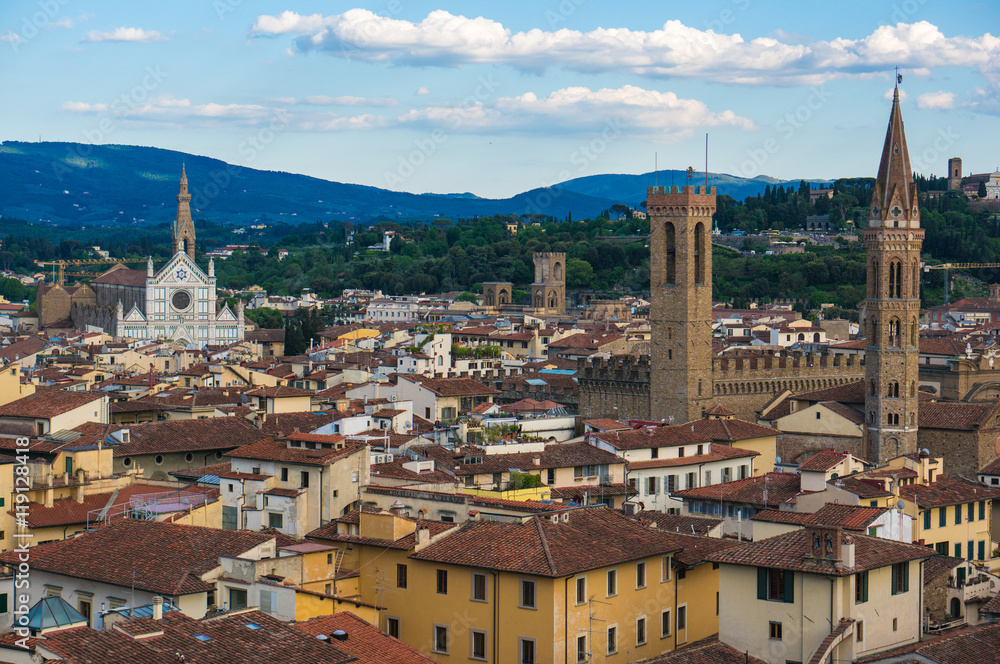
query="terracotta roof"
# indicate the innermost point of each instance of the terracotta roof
(305, 421)
(364, 641)
(782, 516)
(863, 488)
(167, 558)
(122, 276)
(848, 517)
(556, 455)
(680, 523)
(278, 392)
(846, 393)
(947, 491)
(22, 349)
(992, 468)
(718, 410)
(589, 538)
(730, 430)
(266, 335)
(452, 387)
(779, 487)
(715, 452)
(937, 565)
(706, 651)
(790, 551)
(49, 403)
(606, 424)
(975, 644)
(214, 433)
(405, 543)
(270, 449)
(964, 416)
(823, 461)
(247, 637)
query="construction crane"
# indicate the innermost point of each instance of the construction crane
(947, 267)
(61, 279)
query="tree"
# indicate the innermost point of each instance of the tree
(982, 190)
(266, 318)
(579, 273)
(622, 210)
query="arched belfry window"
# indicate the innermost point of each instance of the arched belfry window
(894, 338)
(699, 253)
(670, 254)
(895, 279)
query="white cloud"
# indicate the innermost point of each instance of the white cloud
(125, 34)
(936, 100)
(10, 37)
(902, 95)
(579, 109)
(422, 90)
(675, 50)
(322, 100)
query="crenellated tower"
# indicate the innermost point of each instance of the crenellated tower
(184, 225)
(680, 247)
(892, 307)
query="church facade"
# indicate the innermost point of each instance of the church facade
(176, 302)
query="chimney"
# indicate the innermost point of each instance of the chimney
(157, 608)
(423, 536)
(397, 508)
(847, 551)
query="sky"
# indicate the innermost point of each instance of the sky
(496, 98)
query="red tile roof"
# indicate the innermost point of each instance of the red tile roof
(167, 558)
(791, 552)
(67, 511)
(589, 538)
(246, 637)
(706, 651)
(50, 403)
(947, 491)
(168, 436)
(270, 449)
(823, 461)
(960, 415)
(452, 387)
(768, 490)
(364, 641)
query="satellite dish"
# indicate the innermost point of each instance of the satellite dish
(777, 459)
(927, 451)
(900, 504)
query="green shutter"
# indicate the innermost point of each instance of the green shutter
(942, 518)
(895, 581)
(761, 583)
(905, 569)
(3, 603)
(982, 550)
(789, 587)
(864, 586)
(961, 575)
(927, 519)
(982, 510)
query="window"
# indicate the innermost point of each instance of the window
(652, 486)
(237, 599)
(664, 569)
(275, 520)
(900, 578)
(392, 627)
(527, 649)
(304, 479)
(708, 477)
(581, 648)
(612, 582)
(478, 645)
(84, 608)
(927, 519)
(982, 509)
(942, 517)
(441, 638)
(895, 624)
(665, 624)
(775, 585)
(774, 630)
(581, 590)
(981, 553)
(671, 483)
(941, 548)
(400, 576)
(640, 631)
(958, 549)
(968, 548)
(527, 594)
(970, 512)
(682, 617)
(859, 630)
(861, 588)
(612, 640)
(229, 517)
(640, 575)
(958, 514)
(478, 587)
(442, 582)
(268, 600)
(284, 474)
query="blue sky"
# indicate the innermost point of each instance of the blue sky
(497, 98)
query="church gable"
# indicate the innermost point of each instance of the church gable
(226, 316)
(135, 316)
(180, 270)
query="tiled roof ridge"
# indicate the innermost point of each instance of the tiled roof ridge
(545, 546)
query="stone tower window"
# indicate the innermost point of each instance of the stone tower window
(895, 279)
(670, 259)
(894, 339)
(893, 390)
(699, 253)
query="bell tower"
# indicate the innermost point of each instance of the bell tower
(893, 240)
(184, 225)
(680, 281)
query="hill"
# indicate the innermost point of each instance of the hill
(99, 185)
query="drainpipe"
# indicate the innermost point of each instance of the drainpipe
(496, 607)
(566, 619)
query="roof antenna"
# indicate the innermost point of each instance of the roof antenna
(656, 168)
(706, 163)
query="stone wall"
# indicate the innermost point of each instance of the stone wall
(617, 388)
(795, 447)
(964, 452)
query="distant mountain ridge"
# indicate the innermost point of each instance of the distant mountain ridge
(81, 184)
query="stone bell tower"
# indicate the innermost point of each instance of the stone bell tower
(184, 225)
(680, 281)
(892, 307)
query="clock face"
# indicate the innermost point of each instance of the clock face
(181, 300)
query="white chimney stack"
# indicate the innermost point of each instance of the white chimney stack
(157, 608)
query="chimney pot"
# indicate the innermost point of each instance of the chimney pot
(157, 608)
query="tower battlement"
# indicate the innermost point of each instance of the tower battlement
(686, 195)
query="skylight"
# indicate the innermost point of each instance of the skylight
(202, 637)
(253, 626)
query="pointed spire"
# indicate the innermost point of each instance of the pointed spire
(894, 203)
(184, 225)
